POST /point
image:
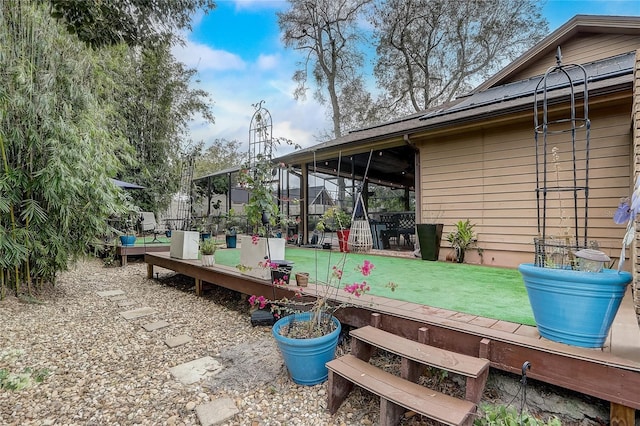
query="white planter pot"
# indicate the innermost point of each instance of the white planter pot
(184, 244)
(252, 254)
(208, 260)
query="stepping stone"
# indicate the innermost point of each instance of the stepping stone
(110, 293)
(125, 303)
(152, 326)
(118, 298)
(216, 412)
(137, 313)
(193, 371)
(180, 340)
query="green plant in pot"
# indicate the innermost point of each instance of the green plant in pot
(128, 238)
(231, 229)
(208, 249)
(262, 209)
(338, 220)
(462, 238)
(262, 214)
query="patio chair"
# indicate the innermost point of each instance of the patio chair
(149, 225)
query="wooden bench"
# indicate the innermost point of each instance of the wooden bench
(398, 393)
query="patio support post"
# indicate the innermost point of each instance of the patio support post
(208, 196)
(228, 192)
(416, 180)
(304, 204)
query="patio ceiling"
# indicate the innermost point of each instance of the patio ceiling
(393, 167)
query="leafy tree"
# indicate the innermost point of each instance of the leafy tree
(57, 146)
(327, 32)
(221, 154)
(156, 104)
(431, 51)
(134, 22)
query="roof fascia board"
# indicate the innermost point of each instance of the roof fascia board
(362, 146)
(516, 112)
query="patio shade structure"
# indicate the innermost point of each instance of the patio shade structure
(126, 185)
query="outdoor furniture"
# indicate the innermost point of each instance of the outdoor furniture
(149, 225)
(399, 226)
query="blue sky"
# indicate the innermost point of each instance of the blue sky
(241, 61)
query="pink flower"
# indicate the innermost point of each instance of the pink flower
(254, 239)
(258, 300)
(357, 289)
(366, 268)
(281, 281)
(337, 273)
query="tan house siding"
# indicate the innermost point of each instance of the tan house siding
(583, 50)
(635, 125)
(489, 177)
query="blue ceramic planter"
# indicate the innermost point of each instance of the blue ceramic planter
(574, 307)
(306, 358)
(127, 240)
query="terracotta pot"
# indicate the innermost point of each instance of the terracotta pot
(302, 279)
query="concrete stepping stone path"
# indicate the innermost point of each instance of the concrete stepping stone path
(137, 313)
(209, 414)
(153, 326)
(110, 293)
(176, 341)
(194, 371)
(216, 411)
(118, 298)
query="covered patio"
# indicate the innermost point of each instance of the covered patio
(313, 182)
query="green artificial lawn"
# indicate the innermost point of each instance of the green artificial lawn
(485, 291)
(148, 240)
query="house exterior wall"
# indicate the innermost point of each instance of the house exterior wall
(583, 50)
(635, 126)
(488, 176)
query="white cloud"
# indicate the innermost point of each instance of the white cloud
(203, 57)
(259, 4)
(268, 62)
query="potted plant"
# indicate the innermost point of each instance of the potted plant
(262, 214)
(572, 302)
(307, 332)
(262, 209)
(208, 249)
(430, 236)
(462, 238)
(128, 239)
(335, 218)
(203, 228)
(231, 231)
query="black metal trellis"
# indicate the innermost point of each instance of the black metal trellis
(260, 135)
(551, 127)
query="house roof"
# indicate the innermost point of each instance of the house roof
(490, 99)
(579, 24)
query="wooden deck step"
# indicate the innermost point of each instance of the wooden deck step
(429, 355)
(412, 396)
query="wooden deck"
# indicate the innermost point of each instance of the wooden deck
(611, 373)
(123, 251)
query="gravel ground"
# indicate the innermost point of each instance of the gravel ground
(105, 370)
(100, 369)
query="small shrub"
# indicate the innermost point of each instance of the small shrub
(499, 415)
(17, 381)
